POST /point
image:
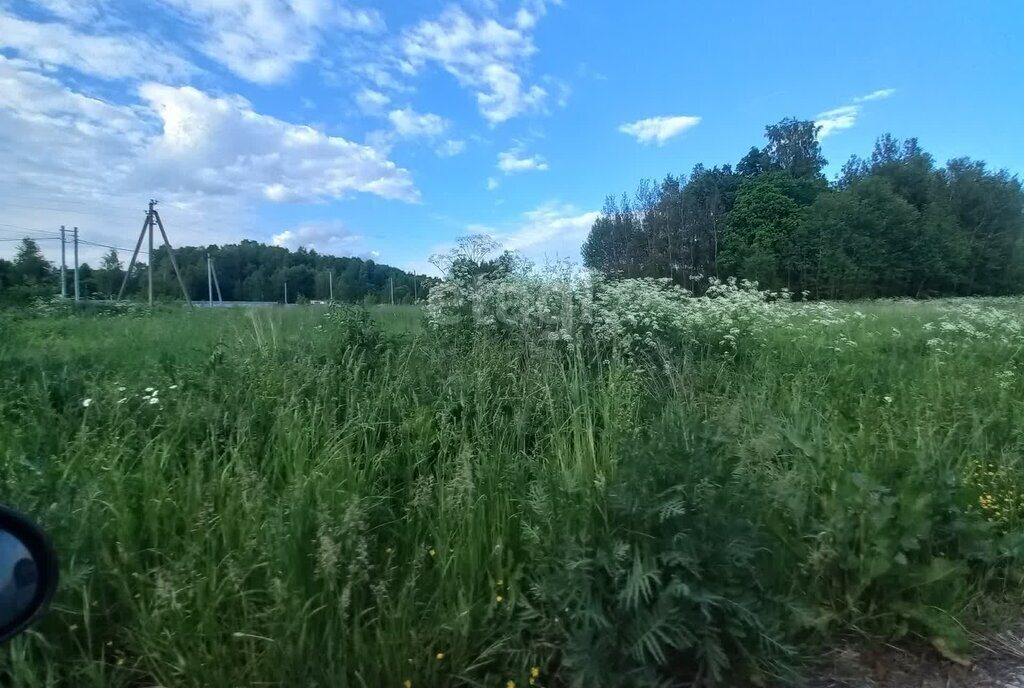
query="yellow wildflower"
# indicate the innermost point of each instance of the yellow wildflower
(534, 672)
(407, 683)
(440, 656)
(433, 552)
(498, 598)
(510, 684)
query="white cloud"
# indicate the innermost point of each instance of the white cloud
(837, 119)
(550, 222)
(326, 237)
(845, 117)
(504, 97)
(876, 95)
(411, 124)
(492, 184)
(483, 55)
(220, 145)
(263, 40)
(106, 57)
(208, 159)
(659, 129)
(79, 11)
(451, 148)
(550, 231)
(512, 162)
(371, 102)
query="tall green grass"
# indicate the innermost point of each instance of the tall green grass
(347, 499)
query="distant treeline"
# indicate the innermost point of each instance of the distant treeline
(892, 224)
(248, 271)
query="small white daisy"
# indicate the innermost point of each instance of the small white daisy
(86, 403)
(154, 400)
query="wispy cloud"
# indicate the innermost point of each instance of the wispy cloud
(845, 117)
(837, 119)
(554, 227)
(513, 161)
(328, 237)
(492, 183)
(451, 148)
(659, 129)
(372, 102)
(101, 56)
(411, 124)
(483, 55)
(263, 41)
(875, 95)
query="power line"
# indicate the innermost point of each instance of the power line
(31, 230)
(116, 248)
(32, 238)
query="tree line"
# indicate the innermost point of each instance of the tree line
(891, 224)
(247, 271)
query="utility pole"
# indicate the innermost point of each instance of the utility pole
(149, 224)
(76, 264)
(286, 293)
(63, 267)
(415, 291)
(330, 281)
(392, 291)
(216, 284)
(209, 279)
(152, 255)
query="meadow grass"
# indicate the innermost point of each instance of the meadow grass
(347, 498)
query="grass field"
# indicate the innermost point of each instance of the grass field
(334, 498)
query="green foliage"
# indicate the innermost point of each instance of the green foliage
(890, 225)
(248, 271)
(761, 240)
(315, 498)
(672, 587)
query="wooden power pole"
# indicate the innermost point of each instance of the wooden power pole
(63, 267)
(76, 264)
(152, 222)
(211, 281)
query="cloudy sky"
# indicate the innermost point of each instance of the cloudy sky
(389, 128)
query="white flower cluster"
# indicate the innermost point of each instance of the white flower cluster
(632, 315)
(635, 315)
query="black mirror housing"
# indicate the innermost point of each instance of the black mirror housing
(28, 573)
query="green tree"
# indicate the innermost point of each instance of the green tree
(989, 209)
(793, 148)
(110, 273)
(761, 231)
(30, 264)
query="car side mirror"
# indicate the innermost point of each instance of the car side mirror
(28, 573)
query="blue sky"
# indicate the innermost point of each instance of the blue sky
(389, 129)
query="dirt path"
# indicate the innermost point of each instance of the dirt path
(998, 662)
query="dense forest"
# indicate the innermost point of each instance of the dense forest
(248, 271)
(892, 224)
